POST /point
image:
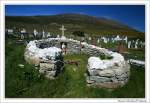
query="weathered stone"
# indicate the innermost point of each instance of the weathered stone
(32, 59)
(89, 81)
(107, 73)
(98, 79)
(114, 75)
(47, 66)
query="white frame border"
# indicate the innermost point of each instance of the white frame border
(87, 100)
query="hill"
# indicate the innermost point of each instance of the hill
(73, 22)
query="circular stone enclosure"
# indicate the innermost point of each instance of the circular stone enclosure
(108, 73)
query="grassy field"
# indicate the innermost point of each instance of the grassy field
(28, 83)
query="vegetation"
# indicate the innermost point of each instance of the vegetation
(26, 82)
(79, 33)
(73, 22)
(103, 56)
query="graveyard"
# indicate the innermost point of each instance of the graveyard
(43, 64)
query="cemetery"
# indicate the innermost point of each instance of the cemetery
(63, 62)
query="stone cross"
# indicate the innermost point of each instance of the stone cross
(63, 30)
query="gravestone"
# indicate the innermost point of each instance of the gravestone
(43, 34)
(129, 44)
(48, 35)
(126, 39)
(90, 38)
(9, 31)
(58, 36)
(135, 46)
(98, 41)
(35, 33)
(23, 32)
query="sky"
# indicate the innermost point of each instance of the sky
(131, 15)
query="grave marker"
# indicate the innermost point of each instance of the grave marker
(63, 30)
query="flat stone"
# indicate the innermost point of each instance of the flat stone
(106, 73)
(51, 73)
(47, 66)
(98, 79)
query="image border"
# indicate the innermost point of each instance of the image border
(87, 100)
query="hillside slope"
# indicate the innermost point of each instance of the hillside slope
(73, 22)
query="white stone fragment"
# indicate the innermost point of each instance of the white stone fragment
(42, 53)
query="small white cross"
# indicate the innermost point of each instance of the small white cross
(63, 30)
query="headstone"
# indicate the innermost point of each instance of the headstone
(141, 44)
(35, 33)
(10, 31)
(113, 40)
(105, 39)
(23, 31)
(48, 35)
(43, 34)
(98, 41)
(136, 44)
(117, 38)
(126, 39)
(58, 36)
(63, 46)
(129, 44)
(90, 38)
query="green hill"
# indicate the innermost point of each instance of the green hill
(73, 22)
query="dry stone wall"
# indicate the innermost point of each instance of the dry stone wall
(110, 73)
(49, 60)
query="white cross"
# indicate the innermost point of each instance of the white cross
(62, 29)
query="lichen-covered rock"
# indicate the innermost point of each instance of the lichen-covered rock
(108, 76)
(48, 59)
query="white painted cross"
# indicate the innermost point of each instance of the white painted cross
(63, 30)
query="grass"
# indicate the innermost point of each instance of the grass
(84, 23)
(71, 83)
(138, 54)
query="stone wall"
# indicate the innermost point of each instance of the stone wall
(112, 77)
(48, 59)
(74, 46)
(110, 73)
